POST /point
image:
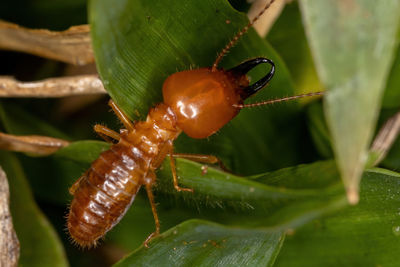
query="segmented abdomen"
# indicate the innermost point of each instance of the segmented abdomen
(107, 189)
(105, 192)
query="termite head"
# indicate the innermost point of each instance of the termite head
(205, 99)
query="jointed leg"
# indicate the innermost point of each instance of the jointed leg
(154, 210)
(175, 176)
(106, 133)
(75, 186)
(77, 183)
(201, 158)
(121, 115)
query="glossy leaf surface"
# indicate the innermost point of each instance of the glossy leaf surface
(138, 45)
(202, 243)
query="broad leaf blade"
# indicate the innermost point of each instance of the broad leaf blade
(365, 235)
(82, 151)
(138, 45)
(353, 45)
(277, 200)
(265, 193)
(275, 190)
(202, 243)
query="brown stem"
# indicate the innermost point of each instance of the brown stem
(33, 144)
(9, 244)
(53, 87)
(386, 137)
(71, 46)
(266, 22)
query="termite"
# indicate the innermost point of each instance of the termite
(197, 102)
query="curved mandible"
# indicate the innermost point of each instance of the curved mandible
(246, 66)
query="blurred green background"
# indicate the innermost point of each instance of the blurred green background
(283, 202)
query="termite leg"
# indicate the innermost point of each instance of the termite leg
(175, 176)
(106, 133)
(201, 159)
(122, 116)
(155, 215)
(168, 149)
(76, 185)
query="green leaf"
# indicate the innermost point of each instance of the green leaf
(17, 121)
(392, 159)
(319, 130)
(42, 14)
(289, 29)
(364, 235)
(310, 178)
(391, 97)
(137, 46)
(202, 243)
(82, 151)
(40, 245)
(44, 172)
(353, 44)
(61, 170)
(265, 193)
(278, 200)
(277, 205)
(51, 177)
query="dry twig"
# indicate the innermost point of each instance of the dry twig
(385, 138)
(53, 87)
(9, 244)
(71, 46)
(265, 23)
(33, 144)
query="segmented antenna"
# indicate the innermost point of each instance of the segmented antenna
(267, 102)
(237, 36)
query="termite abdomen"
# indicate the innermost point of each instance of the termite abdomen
(105, 193)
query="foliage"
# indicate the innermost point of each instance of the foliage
(283, 203)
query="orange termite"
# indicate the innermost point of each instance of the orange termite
(198, 102)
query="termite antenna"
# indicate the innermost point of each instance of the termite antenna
(284, 99)
(237, 36)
